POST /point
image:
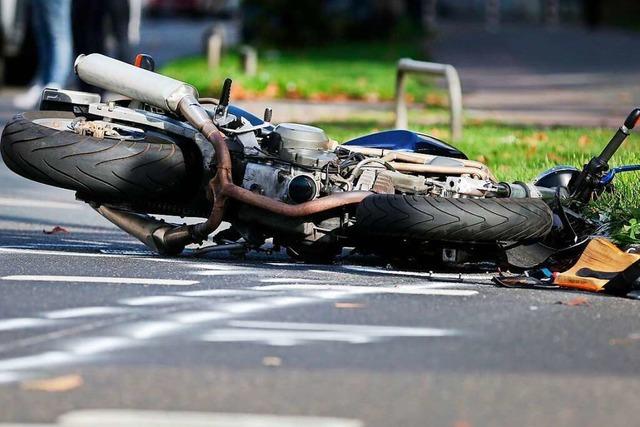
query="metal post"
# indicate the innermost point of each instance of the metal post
(429, 13)
(492, 15)
(249, 58)
(214, 50)
(455, 102)
(454, 87)
(402, 120)
(552, 13)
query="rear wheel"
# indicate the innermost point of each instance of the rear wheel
(441, 219)
(153, 168)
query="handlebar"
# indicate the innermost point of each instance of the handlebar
(588, 180)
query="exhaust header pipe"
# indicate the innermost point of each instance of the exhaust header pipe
(181, 98)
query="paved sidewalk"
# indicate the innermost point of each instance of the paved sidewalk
(535, 75)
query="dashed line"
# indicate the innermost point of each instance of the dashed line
(104, 280)
(104, 253)
(70, 313)
(290, 280)
(428, 289)
(23, 323)
(135, 418)
(29, 203)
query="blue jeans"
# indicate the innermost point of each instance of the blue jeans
(52, 24)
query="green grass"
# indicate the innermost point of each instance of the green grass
(521, 153)
(362, 71)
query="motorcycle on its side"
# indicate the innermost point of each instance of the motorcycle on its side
(162, 150)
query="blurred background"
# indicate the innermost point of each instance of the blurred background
(544, 82)
(524, 61)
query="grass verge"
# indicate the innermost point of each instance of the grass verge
(352, 71)
(521, 153)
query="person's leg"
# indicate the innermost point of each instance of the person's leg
(29, 99)
(57, 14)
(43, 41)
(118, 16)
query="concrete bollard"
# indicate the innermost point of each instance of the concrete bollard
(249, 57)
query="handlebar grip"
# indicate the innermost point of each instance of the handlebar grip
(133, 82)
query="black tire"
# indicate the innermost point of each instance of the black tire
(99, 169)
(441, 219)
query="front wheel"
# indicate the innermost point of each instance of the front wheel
(154, 168)
(440, 219)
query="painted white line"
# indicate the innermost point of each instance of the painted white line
(375, 329)
(144, 330)
(7, 378)
(23, 323)
(214, 266)
(29, 203)
(426, 289)
(461, 277)
(223, 272)
(221, 293)
(95, 345)
(104, 280)
(261, 304)
(289, 334)
(197, 316)
(138, 255)
(285, 264)
(70, 313)
(291, 280)
(36, 361)
(88, 242)
(136, 418)
(155, 300)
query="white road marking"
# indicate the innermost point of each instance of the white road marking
(36, 361)
(288, 334)
(7, 378)
(95, 345)
(291, 280)
(223, 272)
(144, 330)
(88, 242)
(40, 204)
(364, 269)
(425, 289)
(104, 280)
(136, 418)
(70, 313)
(197, 316)
(221, 293)
(155, 300)
(146, 256)
(260, 304)
(23, 323)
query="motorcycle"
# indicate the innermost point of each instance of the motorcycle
(163, 150)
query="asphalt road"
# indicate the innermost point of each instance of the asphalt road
(90, 319)
(97, 331)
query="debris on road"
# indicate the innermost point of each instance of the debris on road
(54, 385)
(56, 230)
(574, 302)
(348, 305)
(271, 361)
(602, 267)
